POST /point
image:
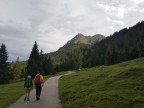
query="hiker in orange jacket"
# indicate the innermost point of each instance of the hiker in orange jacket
(39, 81)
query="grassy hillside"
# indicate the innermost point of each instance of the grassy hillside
(115, 86)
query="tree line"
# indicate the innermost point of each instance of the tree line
(18, 69)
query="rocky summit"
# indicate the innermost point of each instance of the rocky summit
(80, 40)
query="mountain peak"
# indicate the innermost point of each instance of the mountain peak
(80, 40)
(79, 34)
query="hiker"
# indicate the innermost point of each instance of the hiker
(38, 84)
(28, 86)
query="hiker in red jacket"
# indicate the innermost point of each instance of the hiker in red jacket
(38, 84)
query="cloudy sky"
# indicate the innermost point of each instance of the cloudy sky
(53, 22)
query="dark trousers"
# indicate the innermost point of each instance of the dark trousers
(38, 90)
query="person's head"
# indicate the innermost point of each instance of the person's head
(29, 77)
(38, 72)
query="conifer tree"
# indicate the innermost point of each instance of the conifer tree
(108, 57)
(50, 66)
(3, 64)
(34, 62)
(41, 62)
(45, 66)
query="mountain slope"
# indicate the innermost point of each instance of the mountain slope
(73, 45)
(115, 86)
(80, 40)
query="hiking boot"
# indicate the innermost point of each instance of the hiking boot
(25, 99)
(37, 98)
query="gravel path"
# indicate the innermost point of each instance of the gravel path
(49, 97)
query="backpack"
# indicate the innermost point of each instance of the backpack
(37, 79)
(41, 79)
(28, 83)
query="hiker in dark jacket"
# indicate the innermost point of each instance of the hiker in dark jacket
(28, 86)
(39, 81)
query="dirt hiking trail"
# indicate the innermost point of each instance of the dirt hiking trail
(49, 96)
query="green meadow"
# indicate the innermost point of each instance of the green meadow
(114, 86)
(9, 93)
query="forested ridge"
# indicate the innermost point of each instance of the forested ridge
(127, 44)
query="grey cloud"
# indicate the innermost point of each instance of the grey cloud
(12, 31)
(53, 22)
